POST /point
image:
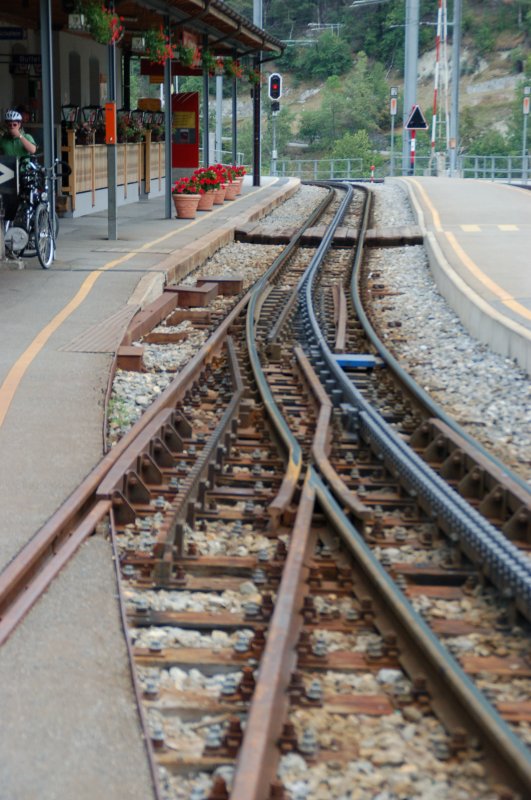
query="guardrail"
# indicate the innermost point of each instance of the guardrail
(514, 169)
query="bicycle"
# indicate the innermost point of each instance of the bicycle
(33, 229)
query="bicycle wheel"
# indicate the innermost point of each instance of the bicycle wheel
(44, 240)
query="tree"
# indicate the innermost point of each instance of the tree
(330, 55)
(357, 146)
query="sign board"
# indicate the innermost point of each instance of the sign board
(185, 130)
(393, 106)
(12, 33)
(25, 64)
(416, 121)
(526, 105)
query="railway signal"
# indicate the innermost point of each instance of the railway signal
(275, 86)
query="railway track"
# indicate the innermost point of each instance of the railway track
(275, 543)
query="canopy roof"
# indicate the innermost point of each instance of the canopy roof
(227, 32)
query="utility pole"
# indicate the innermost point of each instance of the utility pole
(454, 113)
(410, 73)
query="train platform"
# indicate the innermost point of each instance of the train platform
(69, 723)
(478, 239)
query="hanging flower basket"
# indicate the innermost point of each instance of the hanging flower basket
(254, 77)
(158, 46)
(185, 55)
(104, 26)
(232, 68)
(208, 62)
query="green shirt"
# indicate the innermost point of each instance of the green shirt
(14, 147)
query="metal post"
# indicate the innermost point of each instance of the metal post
(219, 118)
(234, 122)
(257, 139)
(527, 92)
(112, 170)
(206, 124)
(456, 59)
(256, 128)
(168, 202)
(393, 109)
(47, 96)
(410, 73)
(274, 147)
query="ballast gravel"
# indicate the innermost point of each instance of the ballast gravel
(487, 394)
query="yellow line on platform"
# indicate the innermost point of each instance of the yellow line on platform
(467, 262)
(16, 373)
(504, 296)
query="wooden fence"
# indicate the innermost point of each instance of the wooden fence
(139, 165)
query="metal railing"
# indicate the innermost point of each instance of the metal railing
(494, 168)
(503, 168)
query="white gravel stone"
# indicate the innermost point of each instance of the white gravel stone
(489, 395)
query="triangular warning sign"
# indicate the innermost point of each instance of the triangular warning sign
(416, 121)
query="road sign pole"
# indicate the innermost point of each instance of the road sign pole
(527, 92)
(393, 107)
(412, 153)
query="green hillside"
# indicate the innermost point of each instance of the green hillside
(341, 60)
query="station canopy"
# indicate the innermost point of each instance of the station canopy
(218, 27)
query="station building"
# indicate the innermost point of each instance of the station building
(66, 64)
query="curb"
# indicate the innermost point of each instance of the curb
(503, 335)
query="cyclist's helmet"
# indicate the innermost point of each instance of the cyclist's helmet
(12, 116)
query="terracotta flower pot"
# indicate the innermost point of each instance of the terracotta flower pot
(232, 191)
(219, 195)
(206, 201)
(239, 181)
(186, 205)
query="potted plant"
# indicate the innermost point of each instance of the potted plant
(233, 185)
(105, 26)
(186, 194)
(209, 181)
(240, 173)
(157, 132)
(158, 47)
(134, 131)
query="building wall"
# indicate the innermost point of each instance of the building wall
(80, 73)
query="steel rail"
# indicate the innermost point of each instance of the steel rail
(453, 685)
(321, 445)
(294, 454)
(43, 547)
(413, 388)
(258, 755)
(504, 564)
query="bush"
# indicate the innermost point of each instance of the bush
(330, 55)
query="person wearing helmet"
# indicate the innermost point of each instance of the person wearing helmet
(16, 141)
